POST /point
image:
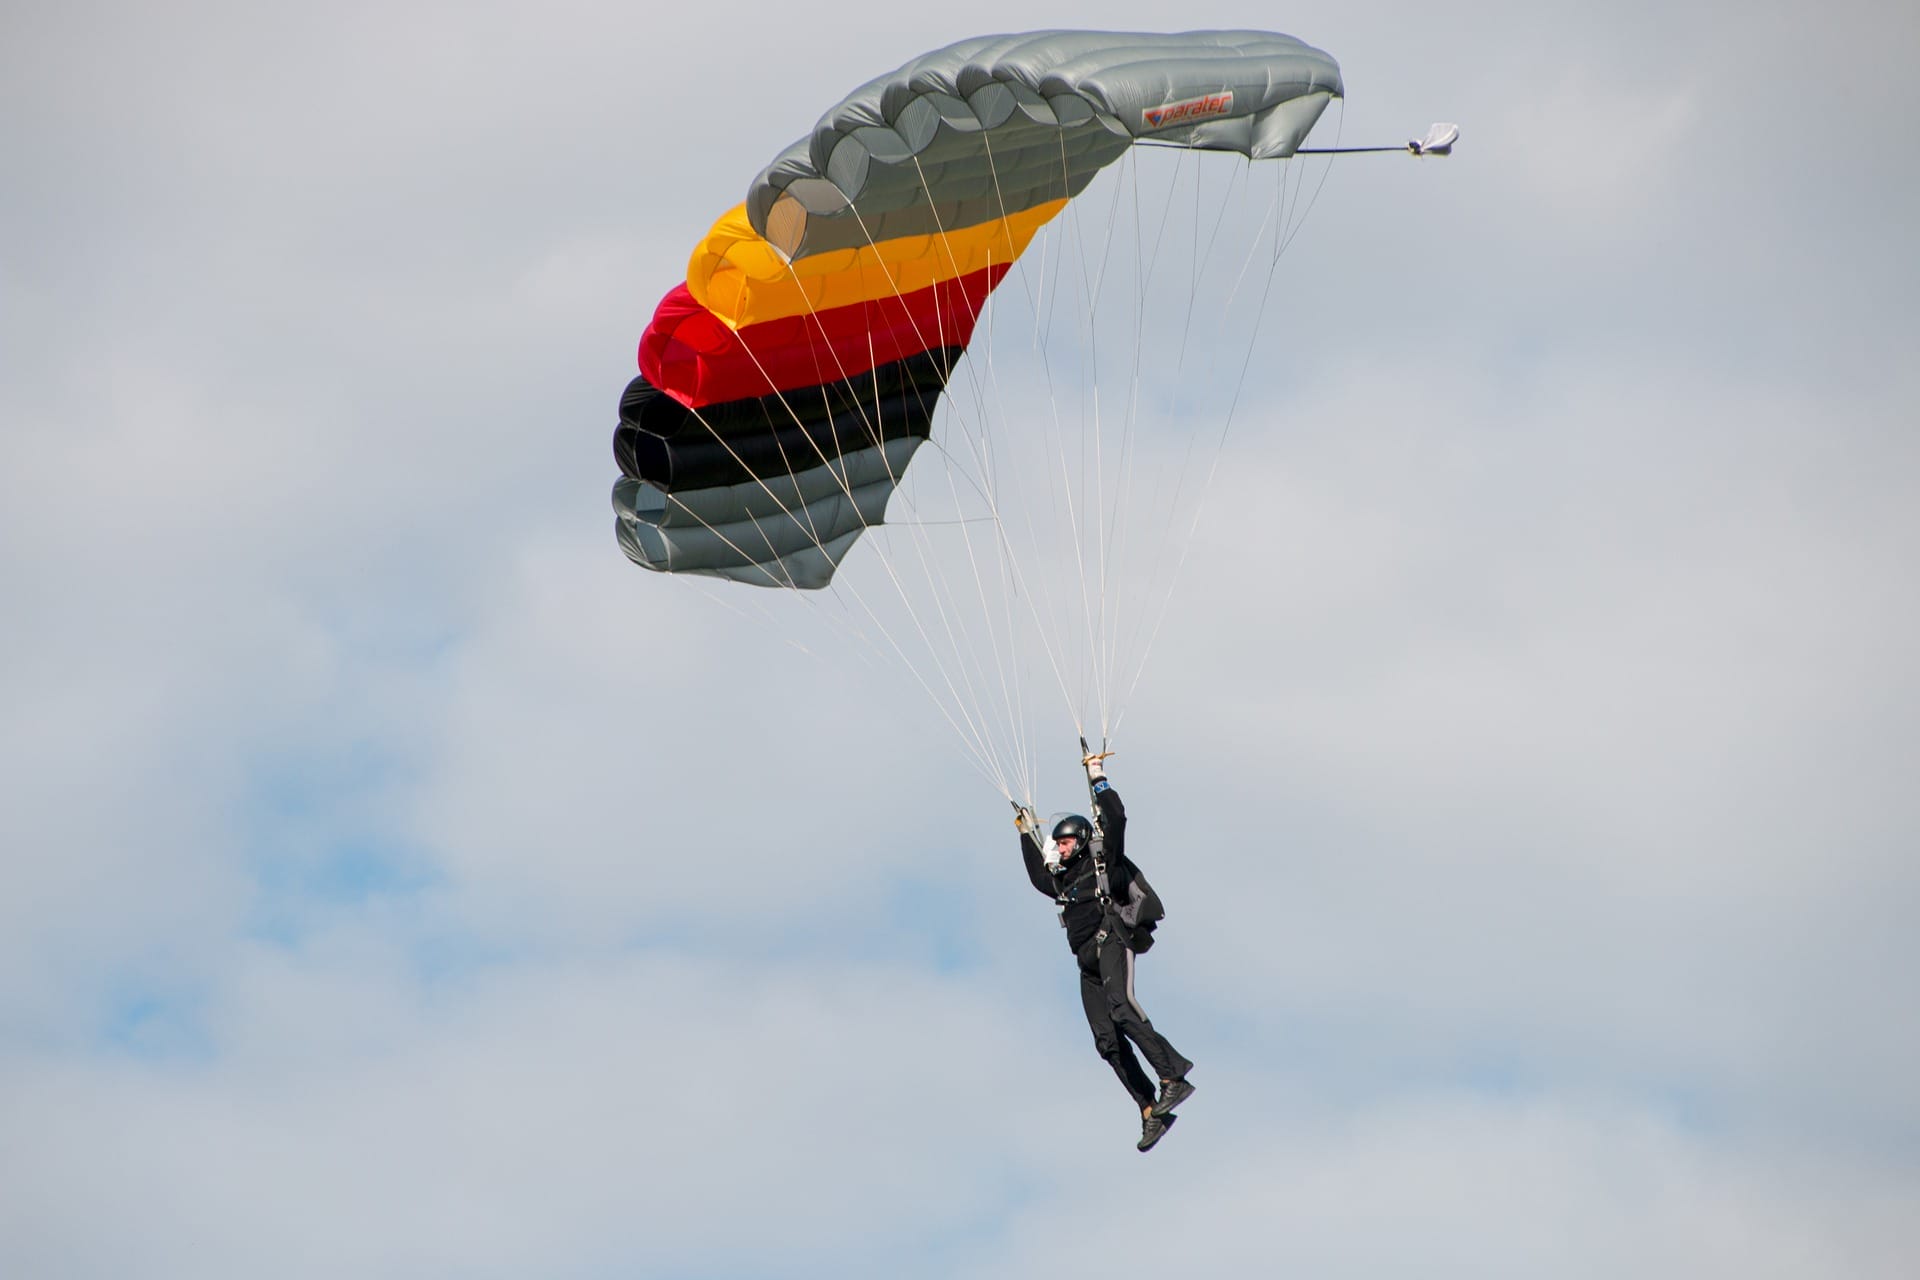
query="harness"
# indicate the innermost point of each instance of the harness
(1102, 892)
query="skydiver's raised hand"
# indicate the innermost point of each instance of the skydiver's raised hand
(1096, 765)
(1025, 822)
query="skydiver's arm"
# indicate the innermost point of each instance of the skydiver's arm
(1036, 865)
(1113, 816)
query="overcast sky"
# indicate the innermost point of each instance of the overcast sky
(399, 883)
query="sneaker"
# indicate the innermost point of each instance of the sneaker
(1172, 1094)
(1152, 1129)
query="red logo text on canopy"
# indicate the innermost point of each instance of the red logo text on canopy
(1188, 109)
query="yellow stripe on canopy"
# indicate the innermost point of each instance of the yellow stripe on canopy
(743, 280)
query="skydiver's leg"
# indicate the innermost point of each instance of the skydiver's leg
(1107, 1040)
(1124, 1011)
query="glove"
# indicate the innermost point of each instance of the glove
(1025, 822)
(1096, 765)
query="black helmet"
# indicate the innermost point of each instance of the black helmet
(1076, 826)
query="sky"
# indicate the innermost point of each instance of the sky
(399, 883)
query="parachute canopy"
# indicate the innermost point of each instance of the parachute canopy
(785, 385)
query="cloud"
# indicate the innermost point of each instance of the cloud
(398, 881)
(578, 1119)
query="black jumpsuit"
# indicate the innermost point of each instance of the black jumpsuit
(1099, 944)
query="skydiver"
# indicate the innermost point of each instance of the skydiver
(1107, 926)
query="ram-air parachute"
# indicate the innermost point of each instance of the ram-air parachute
(902, 282)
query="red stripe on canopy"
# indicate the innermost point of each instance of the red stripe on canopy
(690, 354)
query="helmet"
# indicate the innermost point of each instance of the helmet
(1076, 826)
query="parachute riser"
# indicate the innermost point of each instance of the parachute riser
(1093, 797)
(1102, 894)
